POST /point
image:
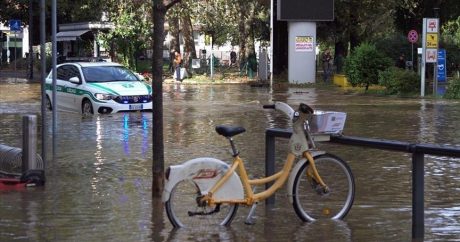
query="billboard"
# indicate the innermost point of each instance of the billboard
(305, 10)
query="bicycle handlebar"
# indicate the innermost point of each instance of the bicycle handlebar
(304, 108)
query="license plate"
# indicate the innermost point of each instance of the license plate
(135, 107)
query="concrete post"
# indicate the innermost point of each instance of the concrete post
(29, 142)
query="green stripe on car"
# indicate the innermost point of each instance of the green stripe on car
(74, 91)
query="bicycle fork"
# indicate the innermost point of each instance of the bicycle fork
(250, 219)
(314, 178)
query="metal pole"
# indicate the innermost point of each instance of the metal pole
(269, 162)
(418, 219)
(54, 63)
(15, 57)
(31, 49)
(29, 142)
(43, 76)
(271, 43)
(422, 74)
(412, 56)
(435, 67)
(211, 61)
(435, 79)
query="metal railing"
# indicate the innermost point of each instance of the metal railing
(418, 153)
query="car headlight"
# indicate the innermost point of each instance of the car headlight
(103, 96)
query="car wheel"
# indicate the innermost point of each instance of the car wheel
(87, 108)
(48, 103)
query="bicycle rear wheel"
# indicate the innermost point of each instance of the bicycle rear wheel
(184, 208)
(310, 203)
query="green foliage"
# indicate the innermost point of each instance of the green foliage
(399, 81)
(132, 29)
(453, 89)
(362, 66)
(450, 40)
(395, 44)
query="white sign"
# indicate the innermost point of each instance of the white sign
(304, 44)
(432, 25)
(431, 55)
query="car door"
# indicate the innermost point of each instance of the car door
(61, 85)
(73, 92)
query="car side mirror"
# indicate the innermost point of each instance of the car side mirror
(140, 77)
(75, 80)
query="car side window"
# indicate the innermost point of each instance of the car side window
(73, 72)
(62, 73)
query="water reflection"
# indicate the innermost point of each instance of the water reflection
(98, 188)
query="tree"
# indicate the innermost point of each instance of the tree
(160, 7)
(356, 21)
(362, 66)
(174, 35)
(187, 34)
(131, 35)
(409, 14)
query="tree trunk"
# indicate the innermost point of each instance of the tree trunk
(250, 46)
(189, 42)
(174, 44)
(159, 12)
(354, 23)
(280, 44)
(158, 159)
(243, 34)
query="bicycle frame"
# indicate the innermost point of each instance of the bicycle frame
(299, 146)
(251, 197)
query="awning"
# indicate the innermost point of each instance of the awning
(69, 35)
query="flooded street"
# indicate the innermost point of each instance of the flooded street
(99, 184)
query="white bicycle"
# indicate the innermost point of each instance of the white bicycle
(206, 191)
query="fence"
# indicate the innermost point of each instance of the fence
(418, 152)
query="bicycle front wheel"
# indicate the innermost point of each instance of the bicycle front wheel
(311, 202)
(185, 208)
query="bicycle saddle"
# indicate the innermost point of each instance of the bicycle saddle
(229, 131)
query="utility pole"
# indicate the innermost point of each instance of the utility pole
(31, 49)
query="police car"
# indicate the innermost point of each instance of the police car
(98, 87)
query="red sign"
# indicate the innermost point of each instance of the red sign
(412, 36)
(432, 25)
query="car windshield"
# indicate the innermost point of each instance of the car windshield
(108, 74)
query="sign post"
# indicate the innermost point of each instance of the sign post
(441, 72)
(442, 68)
(412, 36)
(430, 50)
(15, 27)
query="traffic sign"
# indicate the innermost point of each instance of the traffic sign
(432, 40)
(442, 68)
(412, 36)
(15, 25)
(432, 25)
(431, 55)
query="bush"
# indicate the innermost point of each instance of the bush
(399, 81)
(453, 89)
(396, 44)
(362, 66)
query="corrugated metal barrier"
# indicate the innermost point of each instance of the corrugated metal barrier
(11, 160)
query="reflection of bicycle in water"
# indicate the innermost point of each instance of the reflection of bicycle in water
(205, 191)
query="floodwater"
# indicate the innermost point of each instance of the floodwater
(99, 184)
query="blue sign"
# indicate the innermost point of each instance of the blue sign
(15, 25)
(442, 67)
